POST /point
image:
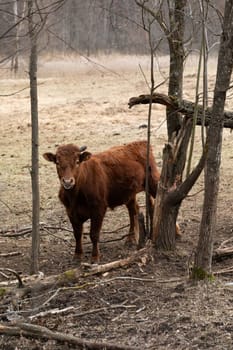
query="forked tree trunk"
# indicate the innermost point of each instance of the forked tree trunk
(203, 258)
(170, 191)
(169, 199)
(166, 212)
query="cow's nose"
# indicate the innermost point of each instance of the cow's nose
(68, 183)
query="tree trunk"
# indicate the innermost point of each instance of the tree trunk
(166, 211)
(203, 258)
(177, 55)
(35, 142)
(164, 228)
(169, 198)
(15, 58)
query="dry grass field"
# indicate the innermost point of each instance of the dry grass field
(85, 102)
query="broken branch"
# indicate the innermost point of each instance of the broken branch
(185, 107)
(34, 331)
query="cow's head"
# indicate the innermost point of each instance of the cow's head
(67, 160)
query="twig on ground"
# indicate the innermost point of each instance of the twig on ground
(104, 309)
(52, 312)
(224, 271)
(224, 243)
(32, 330)
(20, 284)
(6, 255)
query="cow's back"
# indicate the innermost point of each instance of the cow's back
(117, 174)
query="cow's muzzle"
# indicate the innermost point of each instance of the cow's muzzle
(68, 183)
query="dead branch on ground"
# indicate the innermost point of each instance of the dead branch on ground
(40, 282)
(6, 255)
(3, 270)
(224, 271)
(33, 331)
(13, 232)
(224, 250)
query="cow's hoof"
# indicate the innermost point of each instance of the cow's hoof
(94, 260)
(77, 258)
(131, 243)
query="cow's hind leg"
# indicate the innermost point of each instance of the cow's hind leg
(151, 213)
(133, 210)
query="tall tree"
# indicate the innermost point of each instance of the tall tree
(35, 138)
(171, 189)
(203, 258)
(37, 16)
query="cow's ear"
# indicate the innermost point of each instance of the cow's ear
(84, 156)
(50, 157)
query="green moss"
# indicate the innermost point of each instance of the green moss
(69, 275)
(198, 273)
(2, 292)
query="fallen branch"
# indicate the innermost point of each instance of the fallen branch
(20, 283)
(185, 107)
(52, 312)
(16, 233)
(118, 263)
(12, 232)
(40, 282)
(102, 309)
(224, 271)
(39, 332)
(224, 251)
(6, 255)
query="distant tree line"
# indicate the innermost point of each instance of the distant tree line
(99, 26)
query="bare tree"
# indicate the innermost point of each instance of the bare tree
(171, 189)
(203, 258)
(35, 139)
(37, 17)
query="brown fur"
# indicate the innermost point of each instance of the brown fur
(92, 183)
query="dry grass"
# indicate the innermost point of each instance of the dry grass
(84, 102)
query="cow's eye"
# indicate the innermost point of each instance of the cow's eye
(77, 162)
(57, 162)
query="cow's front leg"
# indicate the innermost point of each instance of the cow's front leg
(78, 231)
(96, 224)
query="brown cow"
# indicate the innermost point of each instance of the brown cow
(90, 183)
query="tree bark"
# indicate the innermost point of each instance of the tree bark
(15, 58)
(203, 257)
(169, 199)
(35, 142)
(177, 55)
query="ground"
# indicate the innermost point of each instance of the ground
(151, 304)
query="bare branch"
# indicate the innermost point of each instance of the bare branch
(185, 107)
(32, 330)
(20, 285)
